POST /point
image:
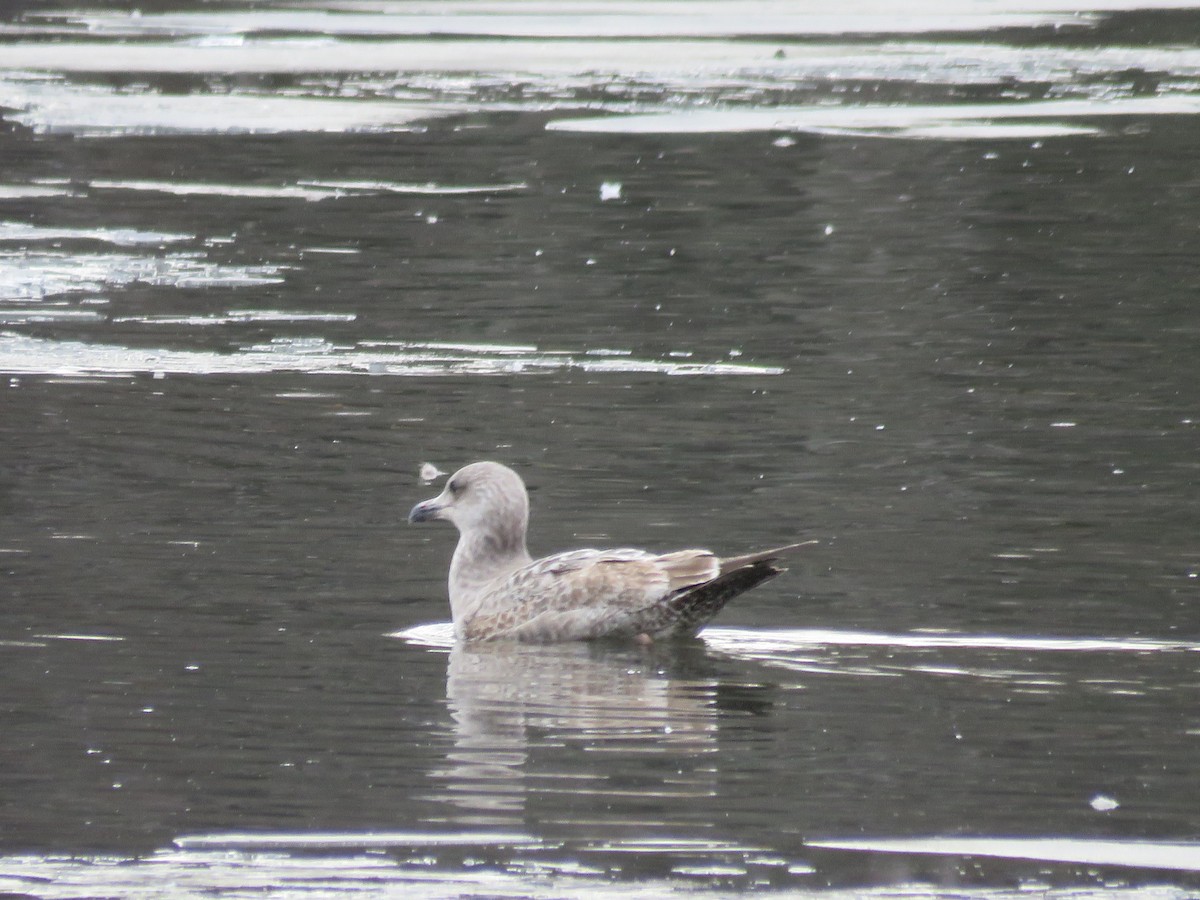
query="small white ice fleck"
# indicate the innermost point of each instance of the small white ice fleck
(430, 473)
(610, 190)
(784, 141)
(1102, 803)
(828, 230)
(1062, 424)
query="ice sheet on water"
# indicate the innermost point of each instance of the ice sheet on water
(543, 65)
(807, 638)
(121, 237)
(1022, 663)
(894, 121)
(292, 840)
(617, 18)
(26, 276)
(21, 354)
(240, 317)
(430, 188)
(34, 190)
(47, 314)
(436, 635)
(303, 190)
(672, 84)
(52, 107)
(191, 188)
(1173, 855)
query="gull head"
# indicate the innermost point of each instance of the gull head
(484, 497)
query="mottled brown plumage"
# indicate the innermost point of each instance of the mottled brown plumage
(497, 591)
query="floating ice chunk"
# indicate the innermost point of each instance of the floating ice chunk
(429, 187)
(54, 108)
(335, 839)
(974, 120)
(21, 354)
(240, 317)
(610, 190)
(1103, 803)
(430, 473)
(1183, 856)
(122, 237)
(25, 191)
(187, 189)
(593, 20)
(79, 637)
(34, 276)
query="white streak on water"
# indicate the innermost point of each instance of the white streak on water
(79, 637)
(122, 237)
(681, 64)
(202, 874)
(26, 276)
(27, 191)
(895, 121)
(747, 641)
(23, 355)
(304, 190)
(240, 317)
(698, 18)
(189, 189)
(51, 107)
(292, 840)
(436, 635)
(428, 188)
(1174, 855)
(770, 640)
(47, 314)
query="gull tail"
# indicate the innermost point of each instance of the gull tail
(762, 556)
(694, 607)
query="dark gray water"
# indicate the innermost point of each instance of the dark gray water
(707, 275)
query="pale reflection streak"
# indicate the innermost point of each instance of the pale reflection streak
(1025, 663)
(530, 720)
(22, 355)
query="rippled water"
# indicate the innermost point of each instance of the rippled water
(922, 288)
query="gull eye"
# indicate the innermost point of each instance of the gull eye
(456, 487)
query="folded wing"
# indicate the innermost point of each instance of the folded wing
(618, 593)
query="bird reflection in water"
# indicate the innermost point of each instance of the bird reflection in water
(536, 729)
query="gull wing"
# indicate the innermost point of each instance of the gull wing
(589, 594)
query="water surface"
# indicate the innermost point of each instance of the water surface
(921, 288)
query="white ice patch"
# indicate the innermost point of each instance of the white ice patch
(1173, 855)
(23, 355)
(121, 237)
(49, 107)
(1035, 118)
(598, 18)
(26, 276)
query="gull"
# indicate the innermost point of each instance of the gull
(499, 592)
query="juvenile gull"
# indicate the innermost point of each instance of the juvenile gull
(497, 591)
